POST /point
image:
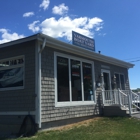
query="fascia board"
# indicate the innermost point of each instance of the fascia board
(22, 40)
(54, 43)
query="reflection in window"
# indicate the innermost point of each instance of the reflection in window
(120, 81)
(11, 77)
(87, 81)
(11, 73)
(106, 81)
(63, 79)
(76, 80)
(117, 81)
(12, 62)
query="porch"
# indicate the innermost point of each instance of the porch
(120, 102)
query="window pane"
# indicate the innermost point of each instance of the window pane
(117, 81)
(122, 82)
(11, 62)
(76, 80)
(11, 77)
(106, 81)
(63, 79)
(4, 64)
(87, 80)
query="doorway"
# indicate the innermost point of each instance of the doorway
(106, 81)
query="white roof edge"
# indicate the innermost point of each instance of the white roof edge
(54, 43)
(21, 40)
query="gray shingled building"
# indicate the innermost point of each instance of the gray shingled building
(55, 83)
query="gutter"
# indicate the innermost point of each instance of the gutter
(38, 88)
(56, 44)
(22, 40)
(59, 45)
(43, 46)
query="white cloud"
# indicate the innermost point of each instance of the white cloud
(60, 10)
(98, 28)
(65, 25)
(45, 4)
(28, 14)
(102, 34)
(34, 27)
(6, 36)
(94, 22)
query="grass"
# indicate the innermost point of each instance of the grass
(116, 128)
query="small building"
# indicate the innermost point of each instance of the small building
(55, 82)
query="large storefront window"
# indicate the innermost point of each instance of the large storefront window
(120, 81)
(11, 73)
(63, 79)
(74, 80)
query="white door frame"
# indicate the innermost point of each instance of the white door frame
(107, 71)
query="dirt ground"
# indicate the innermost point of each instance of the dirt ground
(78, 124)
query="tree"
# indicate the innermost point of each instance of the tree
(136, 90)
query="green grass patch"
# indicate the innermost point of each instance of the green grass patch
(116, 128)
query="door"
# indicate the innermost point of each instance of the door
(107, 84)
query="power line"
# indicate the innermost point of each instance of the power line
(134, 61)
(132, 58)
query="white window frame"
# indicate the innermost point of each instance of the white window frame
(73, 103)
(12, 67)
(119, 79)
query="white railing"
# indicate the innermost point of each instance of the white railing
(114, 97)
(124, 98)
(135, 98)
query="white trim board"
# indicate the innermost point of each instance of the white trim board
(18, 113)
(54, 43)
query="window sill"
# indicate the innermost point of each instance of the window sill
(69, 104)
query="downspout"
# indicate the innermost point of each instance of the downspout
(43, 45)
(40, 49)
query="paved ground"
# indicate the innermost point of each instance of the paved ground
(136, 115)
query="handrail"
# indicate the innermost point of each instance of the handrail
(135, 100)
(136, 106)
(134, 93)
(122, 92)
(126, 99)
(136, 96)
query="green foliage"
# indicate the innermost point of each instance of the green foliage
(116, 128)
(136, 90)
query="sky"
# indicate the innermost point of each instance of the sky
(113, 24)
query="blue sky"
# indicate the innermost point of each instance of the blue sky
(114, 24)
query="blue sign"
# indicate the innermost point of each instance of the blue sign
(83, 41)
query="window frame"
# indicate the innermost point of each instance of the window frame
(12, 67)
(120, 81)
(107, 71)
(73, 103)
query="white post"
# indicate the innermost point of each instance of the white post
(119, 97)
(103, 97)
(130, 102)
(103, 94)
(115, 96)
